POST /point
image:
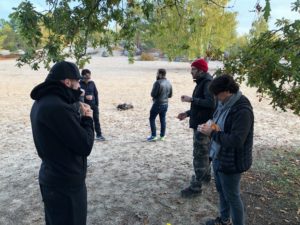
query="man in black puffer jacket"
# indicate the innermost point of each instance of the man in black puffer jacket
(201, 110)
(63, 141)
(231, 147)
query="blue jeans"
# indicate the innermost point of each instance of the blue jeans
(228, 187)
(160, 110)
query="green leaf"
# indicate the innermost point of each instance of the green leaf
(267, 10)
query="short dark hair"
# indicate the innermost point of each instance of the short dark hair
(85, 71)
(162, 72)
(224, 83)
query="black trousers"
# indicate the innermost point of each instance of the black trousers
(65, 205)
(96, 120)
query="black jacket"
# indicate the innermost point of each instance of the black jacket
(161, 91)
(236, 140)
(90, 89)
(203, 104)
(63, 140)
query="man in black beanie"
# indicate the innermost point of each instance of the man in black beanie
(63, 141)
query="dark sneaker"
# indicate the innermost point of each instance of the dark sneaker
(190, 193)
(152, 138)
(218, 221)
(100, 138)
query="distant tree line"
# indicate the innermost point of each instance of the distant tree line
(10, 39)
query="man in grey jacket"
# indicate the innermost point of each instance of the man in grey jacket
(161, 92)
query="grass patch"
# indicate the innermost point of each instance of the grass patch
(272, 188)
(282, 172)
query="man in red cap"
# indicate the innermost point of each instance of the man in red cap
(202, 108)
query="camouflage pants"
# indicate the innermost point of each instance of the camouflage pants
(201, 159)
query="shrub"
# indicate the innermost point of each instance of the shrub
(147, 57)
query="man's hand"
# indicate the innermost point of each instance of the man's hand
(205, 128)
(89, 113)
(86, 110)
(182, 116)
(185, 98)
(89, 97)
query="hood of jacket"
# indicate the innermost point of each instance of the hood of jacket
(243, 102)
(55, 88)
(204, 76)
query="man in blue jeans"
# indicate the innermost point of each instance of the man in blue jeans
(161, 92)
(231, 147)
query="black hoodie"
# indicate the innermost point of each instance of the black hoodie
(62, 139)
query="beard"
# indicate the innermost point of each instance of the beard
(197, 75)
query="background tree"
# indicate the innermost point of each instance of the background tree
(71, 24)
(193, 28)
(9, 38)
(259, 26)
(271, 62)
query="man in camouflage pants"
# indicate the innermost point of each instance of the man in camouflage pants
(202, 107)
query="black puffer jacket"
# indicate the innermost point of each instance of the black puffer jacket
(203, 104)
(62, 139)
(236, 140)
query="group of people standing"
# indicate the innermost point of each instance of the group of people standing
(220, 116)
(222, 121)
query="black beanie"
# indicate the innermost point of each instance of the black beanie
(63, 70)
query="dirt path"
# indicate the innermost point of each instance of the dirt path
(129, 180)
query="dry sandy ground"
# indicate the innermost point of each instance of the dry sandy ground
(130, 181)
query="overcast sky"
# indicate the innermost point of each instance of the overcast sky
(279, 9)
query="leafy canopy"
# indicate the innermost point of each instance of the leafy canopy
(268, 60)
(192, 29)
(271, 62)
(66, 28)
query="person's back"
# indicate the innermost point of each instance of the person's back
(161, 92)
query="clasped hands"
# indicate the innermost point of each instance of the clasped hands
(86, 110)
